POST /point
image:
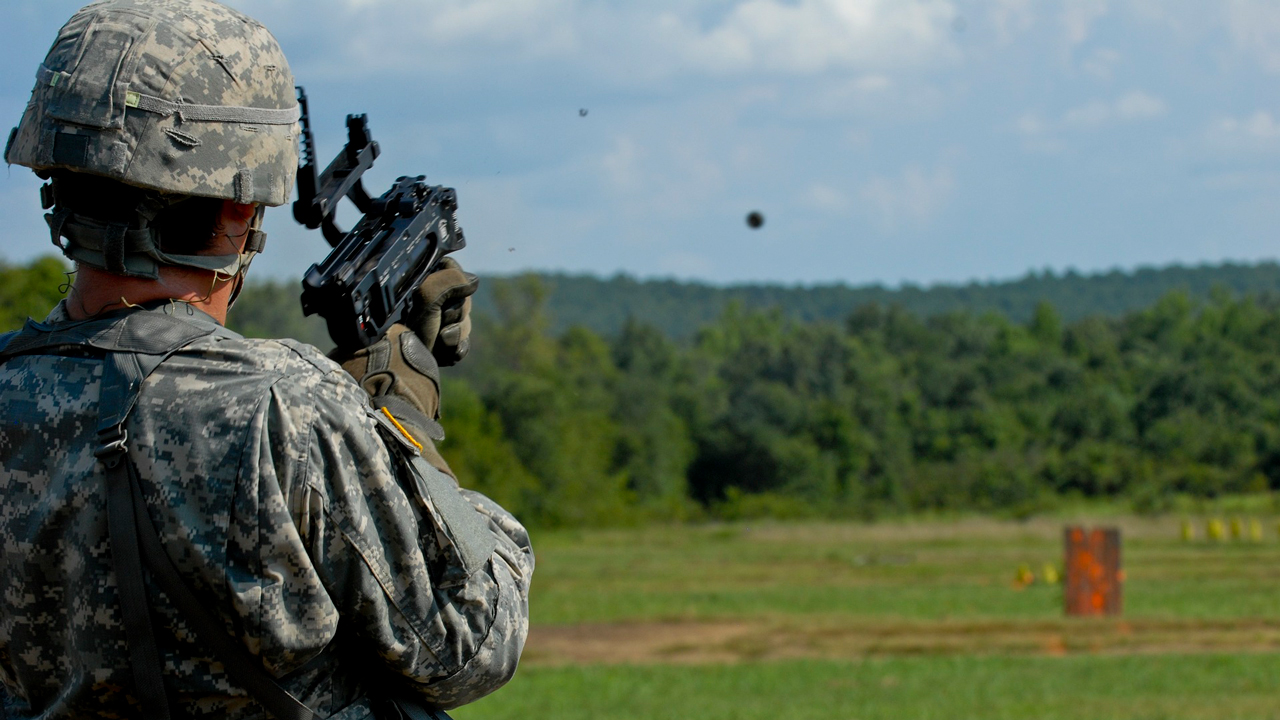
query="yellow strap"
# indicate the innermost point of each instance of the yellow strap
(400, 427)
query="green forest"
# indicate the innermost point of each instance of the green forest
(884, 410)
(680, 309)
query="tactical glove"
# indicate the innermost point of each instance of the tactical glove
(442, 312)
(403, 380)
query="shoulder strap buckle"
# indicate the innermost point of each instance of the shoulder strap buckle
(111, 445)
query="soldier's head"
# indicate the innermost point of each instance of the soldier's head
(152, 118)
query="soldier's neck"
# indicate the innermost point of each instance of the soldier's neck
(97, 291)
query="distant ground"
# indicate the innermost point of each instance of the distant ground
(919, 619)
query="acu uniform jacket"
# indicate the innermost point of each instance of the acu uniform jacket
(331, 551)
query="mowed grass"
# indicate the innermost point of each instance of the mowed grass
(1214, 687)
(925, 570)
(913, 619)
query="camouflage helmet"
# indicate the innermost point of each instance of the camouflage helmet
(186, 98)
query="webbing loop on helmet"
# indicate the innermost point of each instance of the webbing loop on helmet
(213, 113)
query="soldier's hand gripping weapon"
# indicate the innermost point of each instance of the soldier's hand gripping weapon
(367, 282)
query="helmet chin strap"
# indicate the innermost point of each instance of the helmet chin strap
(235, 292)
(255, 241)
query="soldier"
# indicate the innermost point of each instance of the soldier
(298, 529)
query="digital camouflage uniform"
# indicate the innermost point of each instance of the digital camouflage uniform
(283, 499)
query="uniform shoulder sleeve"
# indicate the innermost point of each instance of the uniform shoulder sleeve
(435, 578)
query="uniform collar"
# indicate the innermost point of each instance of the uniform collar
(60, 315)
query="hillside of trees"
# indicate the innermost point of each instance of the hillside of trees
(269, 308)
(681, 309)
(884, 410)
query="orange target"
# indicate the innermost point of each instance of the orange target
(1094, 577)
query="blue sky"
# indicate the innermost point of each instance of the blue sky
(884, 140)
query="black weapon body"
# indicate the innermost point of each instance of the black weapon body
(367, 282)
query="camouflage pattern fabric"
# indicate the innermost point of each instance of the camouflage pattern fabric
(109, 99)
(332, 551)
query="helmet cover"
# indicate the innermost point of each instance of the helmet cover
(185, 97)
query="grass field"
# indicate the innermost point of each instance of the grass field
(915, 619)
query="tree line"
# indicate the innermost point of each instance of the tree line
(884, 411)
(683, 308)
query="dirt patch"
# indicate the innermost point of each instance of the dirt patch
(658, 642)
(739, 641)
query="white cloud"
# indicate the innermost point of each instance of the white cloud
(815, 35)
(1255, 28)
(1010, 17)
(856, 139)
(1092, 114)
(1031, 124)
(1138, 105)
(620, 40)
(347, 39)
(1258, 132)
(665, 38)
(821, 196)
(621, 165)
(1045, 135)
(1101, 63)
(1037, 134)
(1247, 181)
(910, 199)
(1169, 13)
(1250, 28)
(671, 171)
(873, 83)
(1131, 107)
(1261, 125)
(1078, 17)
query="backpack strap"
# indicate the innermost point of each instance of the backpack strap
(126, 559)
(135, 543)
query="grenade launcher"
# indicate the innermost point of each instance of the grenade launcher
(367, 282)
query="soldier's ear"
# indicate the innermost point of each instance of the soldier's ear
(234, 212)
